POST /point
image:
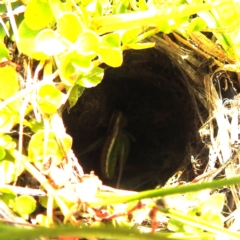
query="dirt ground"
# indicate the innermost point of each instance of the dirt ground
(161, 120)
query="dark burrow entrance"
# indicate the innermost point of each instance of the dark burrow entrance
(160, 115)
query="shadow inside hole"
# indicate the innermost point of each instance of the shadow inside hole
(159, 114)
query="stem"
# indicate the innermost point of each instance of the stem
(154, 17)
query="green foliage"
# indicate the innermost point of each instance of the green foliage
(38, 15)
(4, 53)
(208, 210)
(49, 98)
(24, 205)
(70, 26)
(44, 145)
(9, 85)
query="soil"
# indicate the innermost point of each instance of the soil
(162, 122)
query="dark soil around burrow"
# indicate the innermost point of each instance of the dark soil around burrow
(161, 119)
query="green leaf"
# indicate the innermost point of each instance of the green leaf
(37, 144)
(2, 153)
(91, 79)
(49, 98)
(110, 50)
(7, 142)
(73, 65)
(130, 35)
(70, 26)
(58, 7)
(74, 95)
(122, 7)
(197, 24)
(4, 53)
(111, 40)
(48, 43)
(67, 71)
(7, 195)
(9, 84)
(38, 15)
(213, 204)
(27, 44)
(4, 30)
(36, 126)
(111, 56)
(7, 172)
(143, 5)
(53, 149)
(24, 205)
(87, 43)
(7, 120)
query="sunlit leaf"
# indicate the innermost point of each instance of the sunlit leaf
(4, 53)
(36, 126)
(37, 143)
(87, 43)
(143, 5)
(9, 85)
(67, 71)
(7, 120)
(7, 195)
(95, 8)
(213, 204)
(130, 35)
(2, 153)
(69, 26)
(197, 24)
(7, 142)
(73, 65)
(111, 56)
(74, 95)
(121, 8)
(24, 205)
(91, 79)
(38, 15)
(4, 30)
(27, 44)
(111, 40)
(43, 200)
(110, 50)
(7, 172)
(48, 43)
(82, 63)
(49, 98)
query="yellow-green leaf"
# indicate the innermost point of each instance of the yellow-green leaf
(36, 146)
(24, 205)
(70, 26)
(38, 15)
(91, 79)
(111, 56)
(48, 43)
(49, 98)
(9, 84)
(27, 44)
(87, 43)
(7, 172)
(4, 53)
(130, 35)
